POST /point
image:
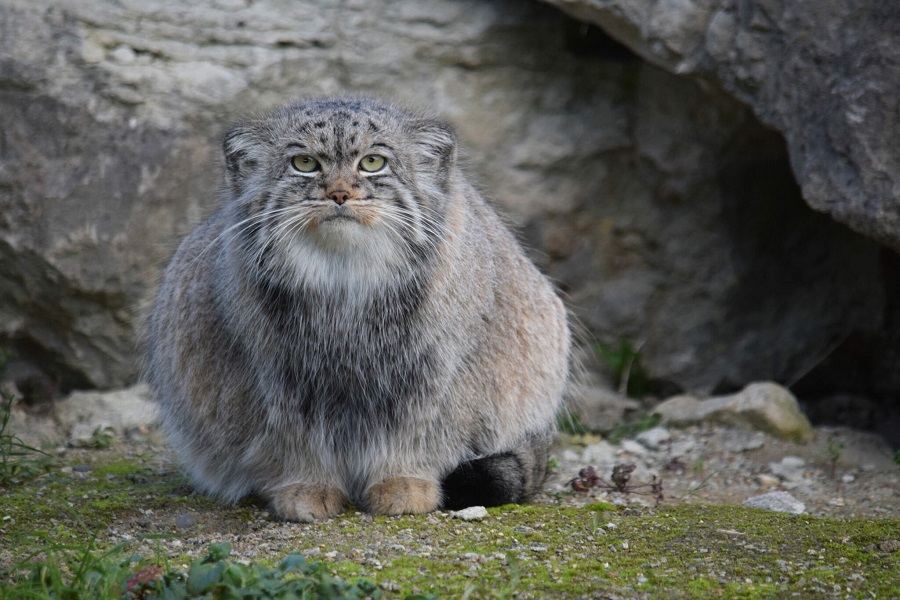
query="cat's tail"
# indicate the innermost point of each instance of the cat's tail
(503, 478)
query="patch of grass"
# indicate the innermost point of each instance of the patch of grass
(631, 428)
(18, 460)
(114, 574)
(523, 551)
(624, 361)
(601, 506)
(102, 437)
(570, 423)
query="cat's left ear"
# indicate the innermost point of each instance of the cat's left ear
(437, 144)
(243, 150)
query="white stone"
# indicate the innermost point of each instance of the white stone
(652, 438)
(789, 468)
(473, 513)
(601, 453)
(633, 447)
(777, 502)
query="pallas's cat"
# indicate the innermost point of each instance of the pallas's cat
(356, 324)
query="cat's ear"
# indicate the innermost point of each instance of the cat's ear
(437, 143)
(244, 151)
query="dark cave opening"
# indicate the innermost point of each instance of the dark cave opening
(818, 280)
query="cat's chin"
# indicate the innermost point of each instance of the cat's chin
(344, 252)
(339, 219)
(341, 234)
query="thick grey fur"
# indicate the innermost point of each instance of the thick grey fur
(302, 343)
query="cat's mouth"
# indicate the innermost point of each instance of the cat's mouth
(340, 215)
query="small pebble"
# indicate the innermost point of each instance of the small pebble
(633, 447)
(652, 438)
(848, 478)
(776, 501)
(473, 513)
(767, 481)
(185, 521)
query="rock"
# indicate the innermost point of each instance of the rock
(887, 546)
(185, 521)
(600, 454)
(764, 406)
(766, 481)
(737, 440)
(633, 447)
(776, 501)
(83, 413)
(790, 468)
(842, 62)
(599, 408)
(666, 211)
(472, 513)
(652, 439)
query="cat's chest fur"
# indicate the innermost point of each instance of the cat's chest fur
(335, 357)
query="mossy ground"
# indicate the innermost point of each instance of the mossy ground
(114, 496)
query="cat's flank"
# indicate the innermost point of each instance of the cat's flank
(356, 324)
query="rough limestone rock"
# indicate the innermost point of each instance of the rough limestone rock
(665, 211)
(765, 406)
(825, 73)
(82, 414)
(76, 418)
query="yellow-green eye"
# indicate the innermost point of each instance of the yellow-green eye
(305, 163)
(372, 163)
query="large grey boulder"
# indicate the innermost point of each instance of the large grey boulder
(664, 210)
(825, 73)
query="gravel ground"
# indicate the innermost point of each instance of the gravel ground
(841, 473)
(565, 541)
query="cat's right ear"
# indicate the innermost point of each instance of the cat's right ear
(242, 147)
(437, 150)
(437, 143)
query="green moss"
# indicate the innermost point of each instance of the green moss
(600, 506)
(534, 550)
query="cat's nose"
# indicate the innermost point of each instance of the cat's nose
(339, 196)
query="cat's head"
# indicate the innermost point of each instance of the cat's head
(352, 178)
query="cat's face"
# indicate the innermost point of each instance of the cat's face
(336, 184)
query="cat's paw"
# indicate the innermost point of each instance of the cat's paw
(306, 503)
(403, 495)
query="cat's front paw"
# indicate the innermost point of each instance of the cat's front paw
(306, 503)
(403, 495)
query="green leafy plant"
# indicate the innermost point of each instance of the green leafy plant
(217, 577)
(102, 437)
(624, 360)
(73, 573)
(18, 460)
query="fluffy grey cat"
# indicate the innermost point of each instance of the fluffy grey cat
(356, 324)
